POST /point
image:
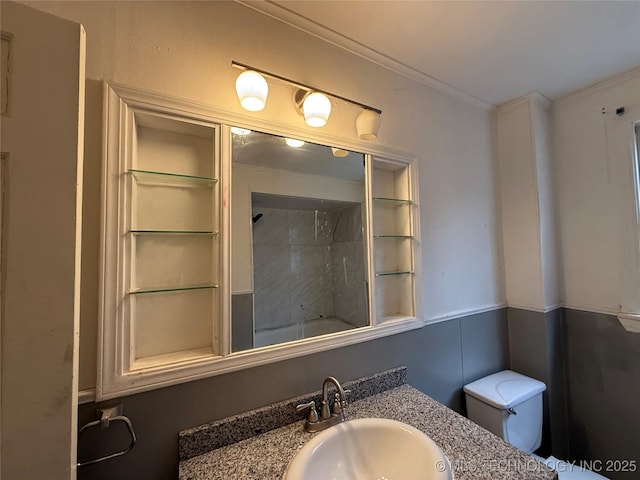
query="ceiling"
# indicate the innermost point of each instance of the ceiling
(488, 51)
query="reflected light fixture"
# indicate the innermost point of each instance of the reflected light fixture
(339, 152)
(252, 90)
(240, 131)
(313, 104)
(292, 142)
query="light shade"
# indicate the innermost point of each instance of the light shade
(316, 109)
(368, 124)
(252, 90)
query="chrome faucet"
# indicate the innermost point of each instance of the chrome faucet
(329, 414)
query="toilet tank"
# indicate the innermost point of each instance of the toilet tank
(510, 405)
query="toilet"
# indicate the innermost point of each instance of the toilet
(509, 405)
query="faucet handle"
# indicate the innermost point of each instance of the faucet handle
(344, 403)
(336, 408)
(338, 405)
(313, 413)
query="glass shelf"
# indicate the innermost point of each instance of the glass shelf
(385, 274)
(403, 237)
(173, 232)
(166, 177)
(392, 201)
(139, 291)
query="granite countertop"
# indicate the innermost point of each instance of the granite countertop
(474, 453)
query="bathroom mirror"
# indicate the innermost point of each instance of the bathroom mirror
(298, 240)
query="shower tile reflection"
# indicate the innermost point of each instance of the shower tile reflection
(309, 271)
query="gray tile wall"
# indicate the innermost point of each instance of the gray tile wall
(477, 332)
(603, 379)
(241, 322)
(591, 366)
(537, 350)
(440, 359)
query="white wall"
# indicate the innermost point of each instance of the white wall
(528, 221)
(541, 123)
(459, 204)
(185, 50)
(520, 207)
(597, 219)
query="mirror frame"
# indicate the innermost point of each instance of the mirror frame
(112, 380)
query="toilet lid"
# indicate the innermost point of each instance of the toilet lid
(504, 389)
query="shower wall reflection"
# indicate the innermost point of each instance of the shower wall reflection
(308, 263)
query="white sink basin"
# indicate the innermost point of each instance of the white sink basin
(369, 449)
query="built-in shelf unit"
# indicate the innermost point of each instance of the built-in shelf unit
(162, 256)
(166, 263)
(173, 250)
(393, 212)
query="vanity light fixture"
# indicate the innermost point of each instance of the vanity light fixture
(314, 104)
(294, 143)
(316, 109)
(252, 90)
(368, 124)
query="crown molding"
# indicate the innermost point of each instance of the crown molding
(535, 97)
(596, 87)
(288, 17)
